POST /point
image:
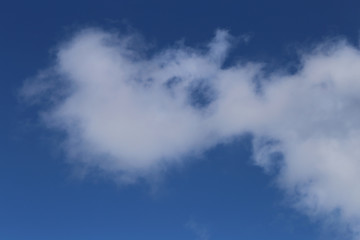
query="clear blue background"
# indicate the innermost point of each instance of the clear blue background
(41, 199)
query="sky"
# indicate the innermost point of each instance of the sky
(179, 120)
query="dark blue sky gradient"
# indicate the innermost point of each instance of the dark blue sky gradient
(41, 195)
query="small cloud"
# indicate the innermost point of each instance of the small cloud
(200, 231)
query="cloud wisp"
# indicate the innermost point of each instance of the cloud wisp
(200, 231)
(130, 114)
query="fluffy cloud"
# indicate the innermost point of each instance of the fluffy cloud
(130, 113)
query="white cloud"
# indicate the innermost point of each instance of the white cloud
(130, 114)
(199, 230)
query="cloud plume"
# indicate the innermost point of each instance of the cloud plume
(129, 113)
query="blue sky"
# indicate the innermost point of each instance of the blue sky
(254, 135)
